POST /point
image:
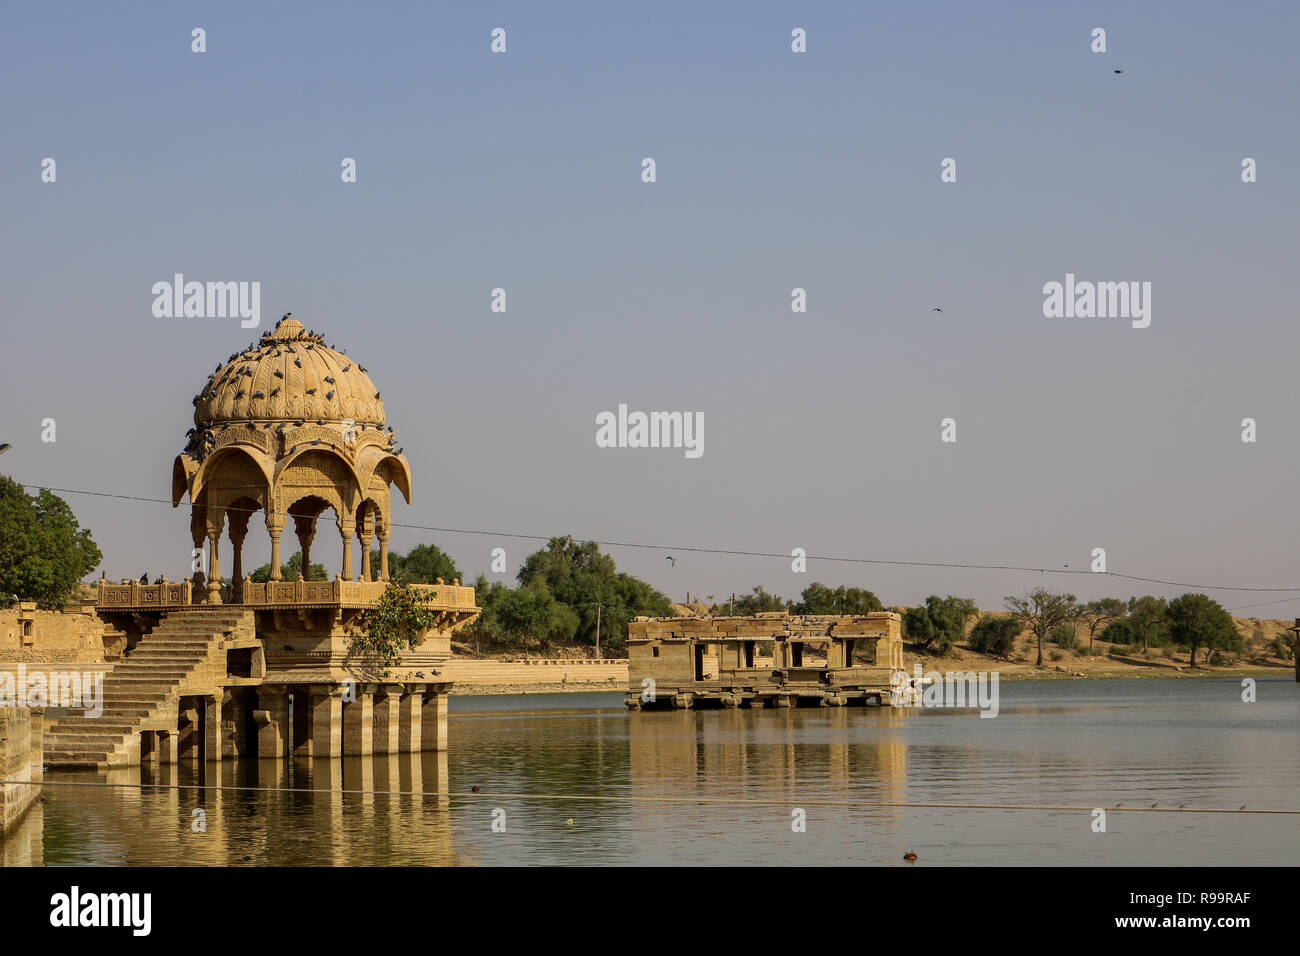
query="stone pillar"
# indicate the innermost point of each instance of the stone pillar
(366, 533)
(346, 530)
(275, 528)
(214, 567)
(272, 719)
(305, 528)
(234, 731)
(148, 748)
(189, 742)
(168, 746)
(326, 722)
(358, 723)
(387, 723)
(212, 728)
(238, 530)
(198, 580)
(409, 712)
(433, 719)
(382, 534)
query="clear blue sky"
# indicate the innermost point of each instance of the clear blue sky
(775, 170)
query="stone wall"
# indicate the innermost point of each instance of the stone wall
(75, 634)
(20, 759)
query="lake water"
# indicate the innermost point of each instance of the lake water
(720, 787)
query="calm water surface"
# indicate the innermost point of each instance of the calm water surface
(718, 787)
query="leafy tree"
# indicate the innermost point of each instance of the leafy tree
(44, 553)
(820, 599)
(760, 602)
(579, 575)
(1196, 620)
(939, 624)
(423, 564)
(395, 622)
(1097, 615)
(530, 611)
(289, 570)
(1040, 610)
(1147, 616)
(994, 635)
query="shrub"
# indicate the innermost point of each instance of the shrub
(1055, 656)
(994, 635)
(1282, 647)
(1062, 635)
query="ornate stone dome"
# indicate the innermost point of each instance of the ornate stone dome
(290, 374)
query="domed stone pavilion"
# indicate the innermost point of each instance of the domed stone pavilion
(289, 428)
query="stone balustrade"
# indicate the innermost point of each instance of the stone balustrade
(166, 595)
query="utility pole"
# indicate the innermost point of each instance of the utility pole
(597, 630)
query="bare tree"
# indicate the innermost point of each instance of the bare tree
(1040, 610)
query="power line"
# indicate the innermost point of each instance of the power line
(740, 553)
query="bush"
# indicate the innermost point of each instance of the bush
(1282, 647)
(1055, 656)
(1062, 635)
(1217, 659)
(994, 635)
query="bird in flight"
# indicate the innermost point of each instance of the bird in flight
(936, 310)
(669, 557)
(1118, 72)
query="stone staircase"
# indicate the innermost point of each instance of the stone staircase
(183, 654)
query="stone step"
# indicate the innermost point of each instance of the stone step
(65, 736)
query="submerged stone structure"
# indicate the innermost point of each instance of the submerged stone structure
(772, 659)
(288, 429)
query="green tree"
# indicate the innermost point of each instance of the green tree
(1098, 615)
(1040, 610)
(939, 624)
(587, 581)
(289, 570)
(820, 599)
(1197, 620)
(397, 621)
(423, 564)
(994, 635)
(760, 602)
(1146, 615)
(44, 553)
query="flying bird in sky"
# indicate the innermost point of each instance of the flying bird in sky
(669, 557)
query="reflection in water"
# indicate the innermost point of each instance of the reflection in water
(719, 786)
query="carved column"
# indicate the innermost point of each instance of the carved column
(305, 527)
(198, 532)
(275, 528)
(238, 530)
(366, 532)
(214, 559)
(382, 533)
(347, 528)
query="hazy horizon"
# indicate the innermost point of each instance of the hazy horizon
(775, 170)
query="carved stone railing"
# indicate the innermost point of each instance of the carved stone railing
(134, 596)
